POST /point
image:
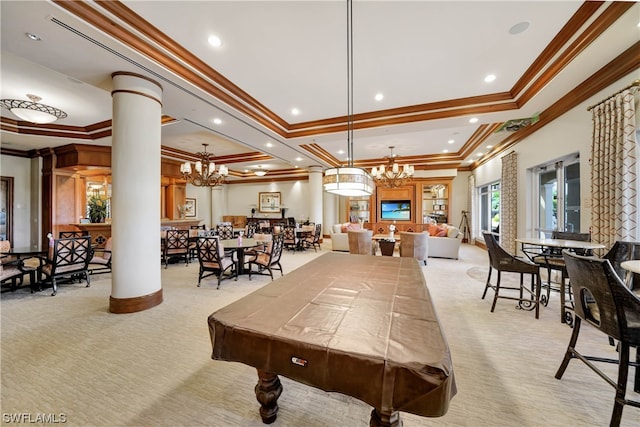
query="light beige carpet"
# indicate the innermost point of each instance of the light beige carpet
(67, 355)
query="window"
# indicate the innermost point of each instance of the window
(558, 196)
(489, 206)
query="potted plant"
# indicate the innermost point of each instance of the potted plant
(97, 208)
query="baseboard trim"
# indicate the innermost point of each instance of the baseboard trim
(135, 304)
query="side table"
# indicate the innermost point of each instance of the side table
(387, 246)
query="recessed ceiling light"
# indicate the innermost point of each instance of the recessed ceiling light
(340, 151)
(215, 41)
(33, 37)
(217, 121)
(479, 154)
(451, 141)
(295, 111)
(379, 97)
(445, 151)
(520, 27)
(473, 120)
(489, 146)
(489, 78)
(298, 159)
(269, 145)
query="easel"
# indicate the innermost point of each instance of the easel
(464, 227)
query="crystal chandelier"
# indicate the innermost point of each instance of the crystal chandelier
(32, 111)
(350, 180)
(391, 175)
(205, 174)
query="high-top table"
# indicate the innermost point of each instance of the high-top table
(533, 247)
(359, 325)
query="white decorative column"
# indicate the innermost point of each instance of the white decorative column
(217, 204)
(331, 214)
(135, 205)
(315, 194)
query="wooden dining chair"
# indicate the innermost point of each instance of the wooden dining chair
(70, 259)
(604, 302)
(213, 261)
(100, 261)
(225, 230)
(503, 262)
(268, 259)
(176, 245)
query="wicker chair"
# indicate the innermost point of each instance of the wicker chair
(269, 259)
(213, 261)
(604, 302)
(70, 258)
(503, 262)
(624, 251)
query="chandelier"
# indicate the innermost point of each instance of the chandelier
(391, 175)
(348, 181)
(205, 174)
(32, 111)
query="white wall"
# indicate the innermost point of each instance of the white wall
(294, 195)
(20, 169)
(568, 134)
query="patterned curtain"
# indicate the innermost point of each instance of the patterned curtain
(471, 206)
(614, 170)
(509, 202)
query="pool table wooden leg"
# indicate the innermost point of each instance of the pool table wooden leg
(379, 419)
(268, 391)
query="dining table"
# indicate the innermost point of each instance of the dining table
(552, 249)
(26, 252)
(238, 245)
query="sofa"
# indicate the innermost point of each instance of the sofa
(339, 236)
(444, 241)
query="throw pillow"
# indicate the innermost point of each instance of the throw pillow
(434, 229)
(442, 233)
(453, 232)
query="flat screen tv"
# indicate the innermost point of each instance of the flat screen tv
(399, 210)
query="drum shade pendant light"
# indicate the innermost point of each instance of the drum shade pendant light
(349, 180)
(32, 111)
(204, 173)
(260, 171)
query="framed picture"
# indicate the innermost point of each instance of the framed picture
(190, 208)
(269, 202)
